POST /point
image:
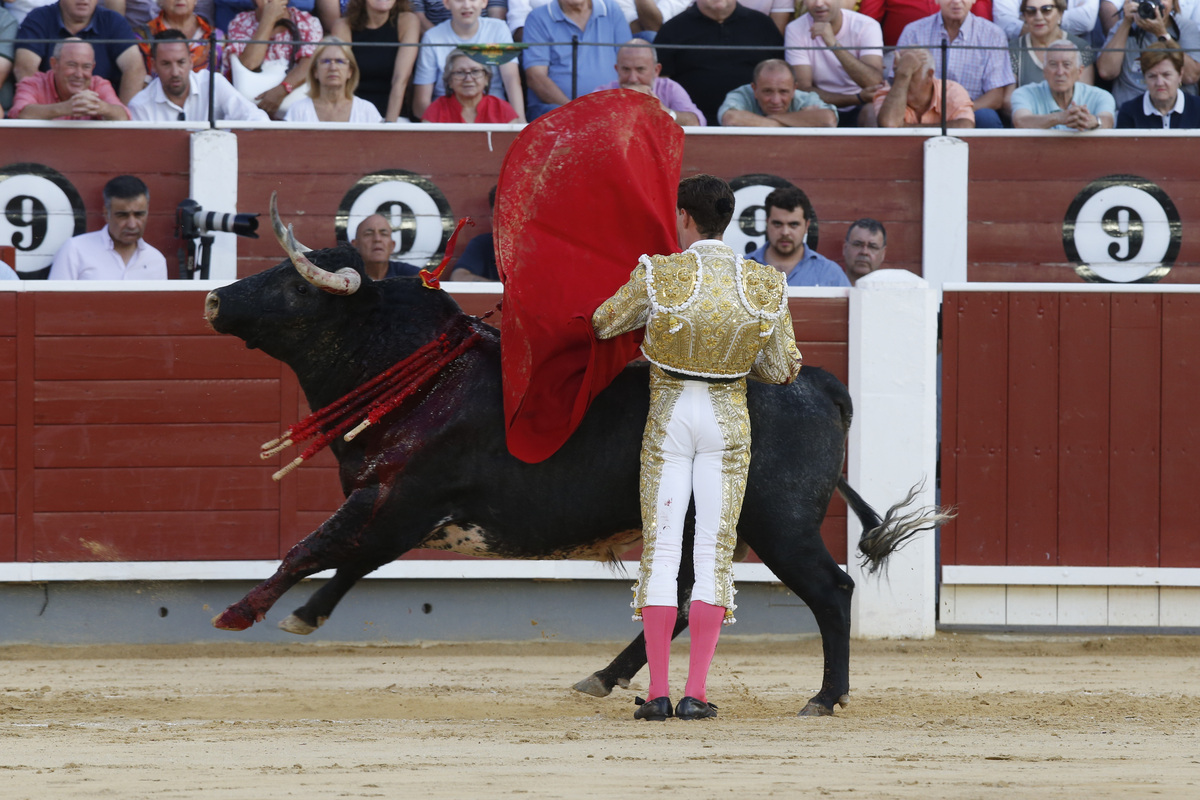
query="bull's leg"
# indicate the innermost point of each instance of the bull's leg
(816, 579)
(337, 541)
(312, 615)
(630, 660)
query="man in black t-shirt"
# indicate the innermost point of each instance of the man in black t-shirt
(707, 74)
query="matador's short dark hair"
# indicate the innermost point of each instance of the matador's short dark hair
(710, 202)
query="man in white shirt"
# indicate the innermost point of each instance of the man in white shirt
(117, 251)
(179, 94)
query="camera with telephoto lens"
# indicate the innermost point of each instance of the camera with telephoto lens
(1149, 9)
(192, 220)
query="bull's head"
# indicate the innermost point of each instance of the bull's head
(321, 314)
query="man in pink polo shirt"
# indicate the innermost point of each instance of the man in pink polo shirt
(846, 69)
(69, 90)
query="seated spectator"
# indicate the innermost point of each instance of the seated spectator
(332, 79)
(865, 248)
(914, 100)
(116, 252)
(781, 12)
(1043, 20)
(179, 93)
(789, 214)
(465, 26)
(273, 21)
(1119, 61)
(8, 35)
(478, 259)
(1062, 101)
(1078, 16)
(180, 15)
(848, 70)
(517, 13)
(466, 99)
(548, 68)
(976, 58)
(374, 242)
(638, 69)
(646, 17)
(430, 13)
(21, 8)
(116, 59)
(137, 13)
(709, 75)
(1165, 104)
(224, 11)
(895, 15)
(386, 71)
(773, 101)
(69, 90)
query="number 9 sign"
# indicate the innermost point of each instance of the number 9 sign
(39, 211)
(1122, 229)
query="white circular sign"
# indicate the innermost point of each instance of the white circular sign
(1122, 229)
(418, 211)
(39, 211)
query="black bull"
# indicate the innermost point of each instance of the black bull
(436, 472)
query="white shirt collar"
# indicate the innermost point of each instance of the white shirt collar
(1149, 109)
(161, 94)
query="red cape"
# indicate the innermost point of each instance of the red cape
(584, 191)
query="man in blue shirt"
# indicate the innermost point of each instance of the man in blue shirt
(788, 217)
(548, 68)
(118, 59)
(1061, 102)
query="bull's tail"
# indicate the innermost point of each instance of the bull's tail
(882, 537)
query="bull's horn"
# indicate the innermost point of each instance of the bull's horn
(344, 281)
(280, 231)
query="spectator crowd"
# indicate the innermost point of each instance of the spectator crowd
(1072, 65)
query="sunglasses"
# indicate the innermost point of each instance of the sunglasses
(1033, 11)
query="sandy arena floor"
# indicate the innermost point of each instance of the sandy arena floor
(959, 716)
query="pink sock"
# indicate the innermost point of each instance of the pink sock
(658, 623)
(704, 622)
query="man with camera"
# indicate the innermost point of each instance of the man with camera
(116, 252)
(1143, 23)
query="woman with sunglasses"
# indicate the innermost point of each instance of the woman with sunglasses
(1079, 17)
(1043, 27)
(466, 99)
(332, 79)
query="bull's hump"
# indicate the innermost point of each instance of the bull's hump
(472, 540)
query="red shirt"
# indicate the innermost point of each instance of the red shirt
(893, 15)
(490, 109)
(39, 90)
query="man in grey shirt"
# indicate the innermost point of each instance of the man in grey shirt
(1118, 62)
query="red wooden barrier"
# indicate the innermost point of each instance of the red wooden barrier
(1054, 447)
(129, 431)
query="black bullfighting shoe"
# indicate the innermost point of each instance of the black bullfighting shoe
(691, 708)
(657, 709)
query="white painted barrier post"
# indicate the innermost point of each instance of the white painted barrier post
(893, 444)
(214, 183)
(944, 219)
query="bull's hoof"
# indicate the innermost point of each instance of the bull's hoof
(814, 709)
(294, 624)
(817, 709)
(233, 619)
(594, 685)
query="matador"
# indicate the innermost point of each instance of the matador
(711, 319)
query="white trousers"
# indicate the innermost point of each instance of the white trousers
(698, 447)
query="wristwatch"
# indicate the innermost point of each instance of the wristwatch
(674, 116)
